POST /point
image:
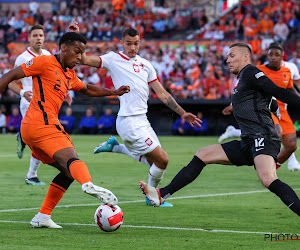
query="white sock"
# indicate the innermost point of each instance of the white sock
(123, 150)
(43, 216)
(235, 132)
(292, 159)
(33, 167)
(155, 175)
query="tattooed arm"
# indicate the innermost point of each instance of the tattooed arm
(169, 101)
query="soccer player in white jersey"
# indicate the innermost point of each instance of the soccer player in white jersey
(140, 140)
(36, 41)
(293, 164)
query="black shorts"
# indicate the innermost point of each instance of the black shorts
(243, 152)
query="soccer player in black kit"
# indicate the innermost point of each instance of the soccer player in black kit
(259, 144)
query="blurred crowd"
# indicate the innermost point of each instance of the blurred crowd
(256, 20)
(196, 71)
(101, 23)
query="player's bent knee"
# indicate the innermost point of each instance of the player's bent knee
(266, 181)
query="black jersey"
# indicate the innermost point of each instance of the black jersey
(251, 104)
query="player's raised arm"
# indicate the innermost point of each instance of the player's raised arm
(263, 83)
(93, 61)
(167, 99)
(97, 91)
(12, 75)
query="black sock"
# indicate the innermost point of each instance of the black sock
(62, 181)
(286, 194)
(185, 176)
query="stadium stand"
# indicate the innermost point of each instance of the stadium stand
(192, 69)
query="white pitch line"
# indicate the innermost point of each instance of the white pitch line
(137, 201)
(15, 155)
(155, 227)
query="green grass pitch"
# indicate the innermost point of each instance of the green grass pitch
(225, 208)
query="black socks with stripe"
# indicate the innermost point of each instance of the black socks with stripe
(185, 176)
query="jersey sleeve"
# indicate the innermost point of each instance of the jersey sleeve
(262, 83)
(106, 60)
(35, 66)
(152, 76)
(76, 84)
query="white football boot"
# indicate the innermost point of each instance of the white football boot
(100, 193)
(152, 193)
(46, 223)
(294, 167)
(226, 135)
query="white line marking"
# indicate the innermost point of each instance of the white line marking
(137, 201)
(155, 227)
(15, 155)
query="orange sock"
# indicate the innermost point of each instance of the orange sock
(54, 194)
(80, 171)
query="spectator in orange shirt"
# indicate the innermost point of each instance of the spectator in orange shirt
(212, 94)
(249, 24)
(266, 25)
(140, 5)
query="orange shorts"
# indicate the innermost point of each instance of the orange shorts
(45, 140)
(285, 122)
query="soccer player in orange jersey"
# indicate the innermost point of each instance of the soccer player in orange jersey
(281, 76)
(41, 130)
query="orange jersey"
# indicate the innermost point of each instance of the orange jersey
(50, 84)
(282, 78)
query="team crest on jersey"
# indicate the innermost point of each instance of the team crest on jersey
(258, 75)
(284, 75)
(29, 63)
(136, 68)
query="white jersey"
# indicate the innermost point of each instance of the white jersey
(135, 72)
(293, 68)
(26, 56)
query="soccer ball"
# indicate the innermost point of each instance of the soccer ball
(108, 218)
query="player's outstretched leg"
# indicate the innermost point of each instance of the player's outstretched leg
(100, 193)
(106, 146)
(20, 146)
(80, 173)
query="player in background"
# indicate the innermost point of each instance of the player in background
(259, 144)
(52, 77)
(140, 140)
(36, 41)
(283, 77)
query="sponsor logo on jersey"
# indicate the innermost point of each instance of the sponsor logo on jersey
(29, 63)
(258, 75)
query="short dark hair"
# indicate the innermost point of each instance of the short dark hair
(276, 45)
(243, 45)
(130, 32)
(71, 37)
(36, 27)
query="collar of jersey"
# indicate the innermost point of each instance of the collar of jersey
(32, 53)
(126, 57)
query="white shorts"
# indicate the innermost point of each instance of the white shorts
(137, 134)
(24, 104)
